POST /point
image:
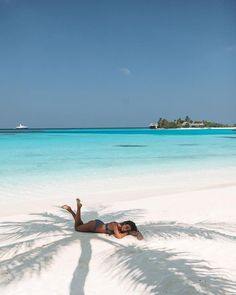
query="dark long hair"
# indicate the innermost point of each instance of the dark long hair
(131, 223)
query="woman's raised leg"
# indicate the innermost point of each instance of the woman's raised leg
(79, 225)
(68, 208)
(78, 220)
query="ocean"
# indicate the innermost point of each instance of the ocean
(42, 158)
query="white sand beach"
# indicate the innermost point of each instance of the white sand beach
(188, 248)
(80, 84)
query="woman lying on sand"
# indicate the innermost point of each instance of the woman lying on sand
(119, 230)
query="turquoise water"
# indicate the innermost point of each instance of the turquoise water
(39, 155)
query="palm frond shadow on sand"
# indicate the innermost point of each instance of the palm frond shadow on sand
(31, 246)
(201, 230)
(164, 271)
(82, 268)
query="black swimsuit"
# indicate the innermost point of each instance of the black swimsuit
(108, 230)
(99, 222)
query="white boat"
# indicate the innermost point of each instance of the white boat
(153, 125)
(21, 126)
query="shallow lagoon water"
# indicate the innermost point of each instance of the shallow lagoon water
(41, 168)
(35, 155)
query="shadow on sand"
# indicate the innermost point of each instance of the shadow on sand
(164, 271)
(27, 244)
(32, 245)
(201, 230)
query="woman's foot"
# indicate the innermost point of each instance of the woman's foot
(66, 207)
(78, 202)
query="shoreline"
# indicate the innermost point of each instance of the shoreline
(195, 128)
(102, 189)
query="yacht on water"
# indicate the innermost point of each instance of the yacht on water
(153, 125)
(21, 126)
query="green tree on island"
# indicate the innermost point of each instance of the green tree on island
(188, 122)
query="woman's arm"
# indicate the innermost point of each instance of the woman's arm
(118, 234)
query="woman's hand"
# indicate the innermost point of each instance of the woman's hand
(139, 236)
(136, 234)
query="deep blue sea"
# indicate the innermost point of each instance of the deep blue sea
(42, 154)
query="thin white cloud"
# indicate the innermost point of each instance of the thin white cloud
(231, 48)
(125, 71)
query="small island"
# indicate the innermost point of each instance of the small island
(163, 123)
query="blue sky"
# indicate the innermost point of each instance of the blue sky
(116, 63)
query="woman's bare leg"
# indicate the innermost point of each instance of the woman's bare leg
(68, 208)
(77, 216)
(78, 220)
(79, 225)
